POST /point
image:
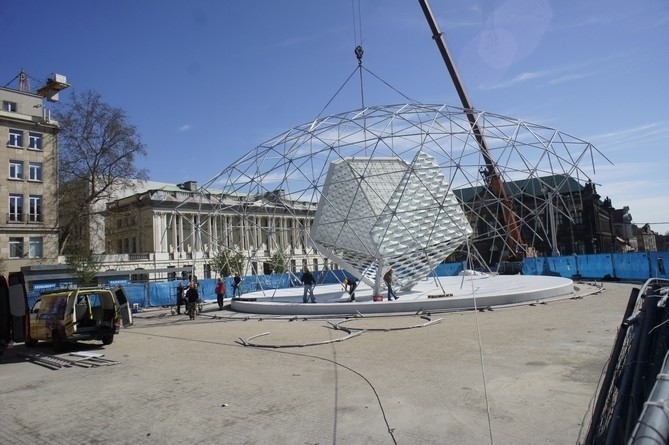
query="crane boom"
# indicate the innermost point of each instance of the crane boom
(491, 173)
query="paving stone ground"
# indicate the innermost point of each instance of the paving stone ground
(516, 375)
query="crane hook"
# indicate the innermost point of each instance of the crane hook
(358, 53)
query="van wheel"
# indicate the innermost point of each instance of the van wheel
(58, 343)
(31, 343)
(108, 340)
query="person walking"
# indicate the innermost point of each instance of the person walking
(349, 285)
(192, 297)
(308, 283)
(180, 297)
(388, 279)
(220, 293)
(236, 286)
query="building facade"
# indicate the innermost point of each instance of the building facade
(28, 186)
(168, 226)
(174, 226)
(557, 216)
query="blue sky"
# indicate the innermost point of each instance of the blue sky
(207, 81)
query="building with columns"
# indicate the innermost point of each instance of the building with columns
(177, 225)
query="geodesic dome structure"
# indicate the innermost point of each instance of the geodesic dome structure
(286, 177)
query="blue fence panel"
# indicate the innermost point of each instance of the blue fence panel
(569, 266)
(631, 266)
(558, 266)
(552, 266)
(162, 293)
(207, 289)
(532, 266)
(136, 293)
(595, 266)
(658, 264)
(228, 286)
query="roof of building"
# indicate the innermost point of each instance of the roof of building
(533, 187)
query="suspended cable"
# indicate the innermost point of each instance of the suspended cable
(336, 94)
(357, 41)
(480, 344)
(357, 27)
(391, 87)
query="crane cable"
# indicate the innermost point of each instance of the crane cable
(357, 38)
(357, 32)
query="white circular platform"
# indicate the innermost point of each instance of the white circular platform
(446, 294)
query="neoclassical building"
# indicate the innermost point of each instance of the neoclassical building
(176, 225)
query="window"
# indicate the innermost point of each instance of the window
(35, 247)
(8, 105)
(15, 208)
(15, 138)
(35, 208)
(15, 169)
(15, 247)
(35, 171)
(35, 140)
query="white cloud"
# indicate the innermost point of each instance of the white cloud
(185, 127)
(631, 139)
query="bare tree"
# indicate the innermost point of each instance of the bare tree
(97, 153)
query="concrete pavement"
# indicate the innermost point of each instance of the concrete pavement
(518, 375)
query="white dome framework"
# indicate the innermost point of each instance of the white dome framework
(429, 161)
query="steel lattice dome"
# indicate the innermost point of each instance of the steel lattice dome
(287, 173)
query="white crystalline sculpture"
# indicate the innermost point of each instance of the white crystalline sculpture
(381, 213)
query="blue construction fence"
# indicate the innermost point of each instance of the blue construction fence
(157, 294)
(622, 266)
(606, 266)
(618, 266)
(638, 266)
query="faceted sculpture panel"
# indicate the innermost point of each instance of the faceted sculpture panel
(385, 213)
